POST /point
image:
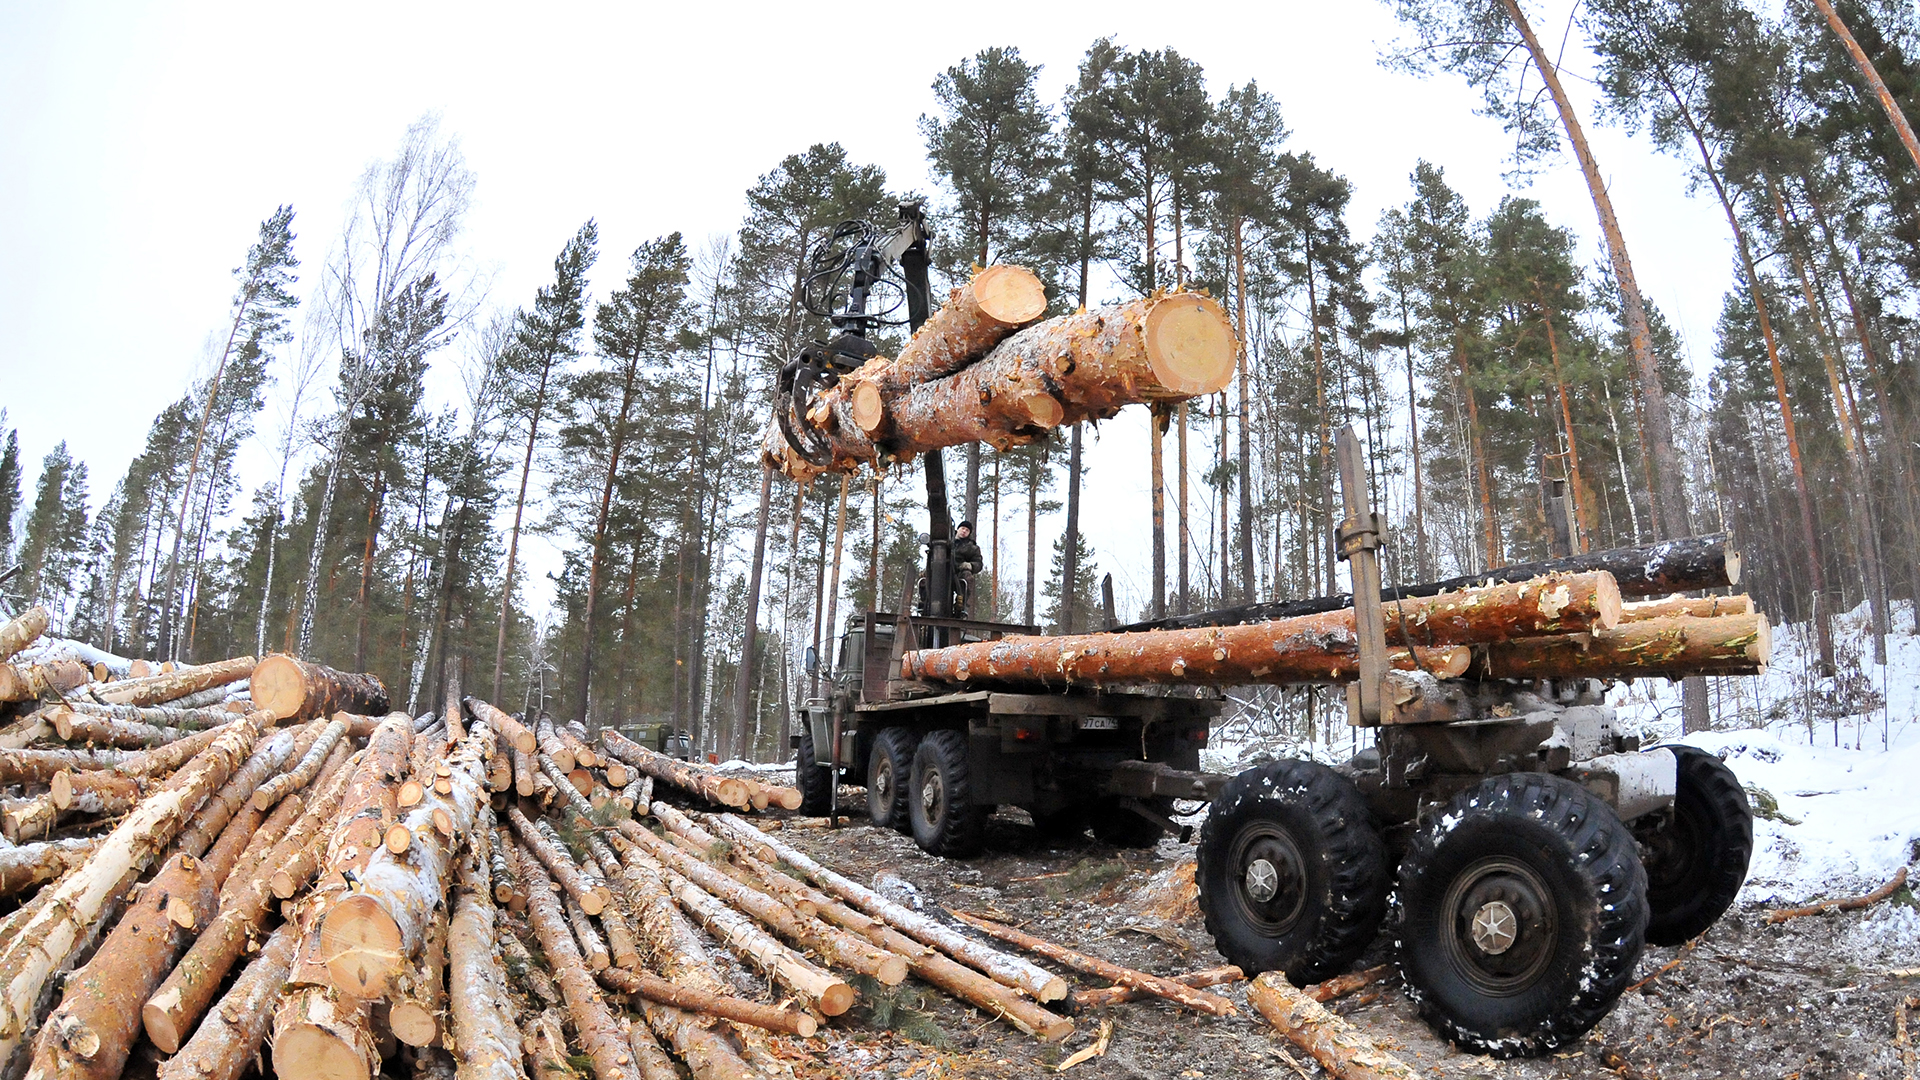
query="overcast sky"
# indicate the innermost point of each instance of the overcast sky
(142, 144)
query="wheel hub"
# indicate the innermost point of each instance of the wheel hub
(1494, 927)
(932, 794)
(1263, 881)
(883, 781)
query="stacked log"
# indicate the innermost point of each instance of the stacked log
(695, 780)
(297, 690)
(178, 684)
(20, 631)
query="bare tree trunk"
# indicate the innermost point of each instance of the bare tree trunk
(1573, 447)
(585, 681)
(1070, 555)
(743, 684)
(513, 537)
(1874, 82)
(1157, 421)
(1246, 412)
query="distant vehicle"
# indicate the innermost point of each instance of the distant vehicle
(661, 737)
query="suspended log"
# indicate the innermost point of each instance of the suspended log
(173, 1009)
(80, 727)
(1332, 1041)
(225, 1044)
(1674, 645)
(512, 732)
(1011, 970)
(43, 943)
(20, 631)
(1685, 565)
(178, 684)
(25, 682)
(557, 862)
(977, 316)
(303, 773)
(600, 1036)
(1085, 366)
(30, 865)
(1171, 989)
(1698, 607)
(716, 789)
(478, 1009)
(767, 1017)
(398, 899)
(297, 690)
(1114, 995)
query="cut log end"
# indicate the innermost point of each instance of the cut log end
(1010, 294)
(363, 944)
(837, 998)
(1190, 344)
(312, 1052)
(279, 686)
(410, 795)
(869, 407)
(413, 1023)
(398, 838)
(161, 1028)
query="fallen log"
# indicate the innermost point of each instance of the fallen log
(297, 690)
(695, 780)
(601, 1038)
(29, 865)
(1171, 989)
(42, 944)
(1114, 995)
(637, 983)
(1673, 645)
(1332, 1041)
(479, 1011)
(1685, 565)
(1013, 971)
(178, 684)
(21, 630)
(1341, 985)
(399, 898)
(226, 1042)
(1849, 903)
(280, 846)
(25, 682)
(1084, 366)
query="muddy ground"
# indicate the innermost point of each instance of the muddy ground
(1810, 998)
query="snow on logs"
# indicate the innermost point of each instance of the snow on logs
(177, 684)
(297, 690)
(1169, 346)
(711, 786)
(21, 630)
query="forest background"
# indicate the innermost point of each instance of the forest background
(539, 332)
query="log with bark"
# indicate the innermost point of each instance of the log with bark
(1684, 565)
(169, 715)
(101, 794)
(79, 727)
(25, 682)
(20, 631)
(399, 897)
(1171, 989)
(162, 760)
(31, 865)
(512, 732)
(479, 1011)
(42, 944)
(1306, 1023)
(601, 1038)
(41, 766)
(695, 780)
(287, 843)
(308, 767)
(226, 1042)
(592, 945)
(1850, 903)
(550, 744)
(977, 316)
(178, 684)
(1013, 971)
(416, 993)
(1673, 645)
(1084, 366)
(1114, 995)
(641, 984)
(558, 863)
(320, 1033)
(297, 690)
(1698, 607)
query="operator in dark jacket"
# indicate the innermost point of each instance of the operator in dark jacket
(966, 563)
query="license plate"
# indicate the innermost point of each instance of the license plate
(1099, 723)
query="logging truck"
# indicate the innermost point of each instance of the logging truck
(1519, 849)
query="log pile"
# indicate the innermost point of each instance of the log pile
(982, 369)
(1561, 625)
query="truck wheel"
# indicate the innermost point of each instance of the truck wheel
(1292, 874)
(940, 800)
(889, 767)
(1114, 824)
(816, 786)
(1696, 857)
(1520, 915)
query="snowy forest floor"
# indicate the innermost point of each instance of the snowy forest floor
(1809, 998)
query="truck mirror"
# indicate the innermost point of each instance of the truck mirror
(812, 661)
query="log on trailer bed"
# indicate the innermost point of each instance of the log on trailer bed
(1685, 565)
(296, 690)
(1674, 645)
(1084, 366)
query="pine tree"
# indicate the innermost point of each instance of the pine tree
(53, 541)
(9, 491)
(1085, 595)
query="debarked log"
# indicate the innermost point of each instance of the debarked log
(1084, 366)
(1675, 645)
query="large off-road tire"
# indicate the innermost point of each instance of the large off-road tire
(1520, 913)
(1112, 823)
(1292, 873)
(889, 769)
(815, 782)
(1696, 857)
(940, 799)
